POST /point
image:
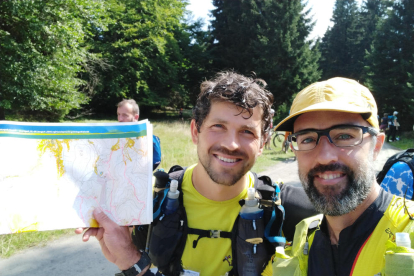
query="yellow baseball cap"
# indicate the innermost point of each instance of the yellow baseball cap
(336, 94)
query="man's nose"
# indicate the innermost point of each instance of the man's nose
(231, 141)
(326, 152)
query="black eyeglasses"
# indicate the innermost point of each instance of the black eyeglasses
(340, 136)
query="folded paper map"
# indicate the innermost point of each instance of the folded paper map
(52, 175)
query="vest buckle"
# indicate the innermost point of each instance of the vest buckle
(215, 234)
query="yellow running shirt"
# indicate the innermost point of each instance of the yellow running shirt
(209, 257)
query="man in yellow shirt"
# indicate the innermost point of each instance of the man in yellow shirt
(230, 123)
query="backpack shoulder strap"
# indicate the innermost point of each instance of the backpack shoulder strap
(274, 215)
(404, 156)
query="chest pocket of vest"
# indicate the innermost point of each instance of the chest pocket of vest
(294, 261)
(165, 241)
(251, 253)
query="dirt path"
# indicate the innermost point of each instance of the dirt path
(70, 256)
(67, 256)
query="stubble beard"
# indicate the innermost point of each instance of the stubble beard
(357, 187)
(224, 177)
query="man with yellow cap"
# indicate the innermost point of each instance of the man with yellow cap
(336, 139)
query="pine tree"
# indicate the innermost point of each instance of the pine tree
(391, 62)
(340, 51)
(372, 13)
(269, 38)
(233, 31)
(284, 58)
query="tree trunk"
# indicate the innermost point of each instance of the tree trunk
(2, 115)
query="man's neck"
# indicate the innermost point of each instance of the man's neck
(213, 191)
(337, 223)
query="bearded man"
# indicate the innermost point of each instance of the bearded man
(336, 140)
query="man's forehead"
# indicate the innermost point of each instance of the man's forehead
(257, 110)
(126, 107)
(327, 119)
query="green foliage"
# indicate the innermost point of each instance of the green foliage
(340, 45)
(269, 38)
(390, 63)
(194, 44)
(42, 51)
(143, 55)
(372, 14)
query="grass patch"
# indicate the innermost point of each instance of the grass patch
(271, 157)
(406, 140)
(177, 149)
(13, 243)
(176, 144)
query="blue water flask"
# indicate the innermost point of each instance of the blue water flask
(250, 209)
(171, 203)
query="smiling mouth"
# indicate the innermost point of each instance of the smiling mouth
(227, 160)
(329, 176)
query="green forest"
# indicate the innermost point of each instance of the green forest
(62, 59)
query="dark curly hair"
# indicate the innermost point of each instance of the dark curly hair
(237, 89)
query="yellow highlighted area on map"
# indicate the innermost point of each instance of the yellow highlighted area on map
(19, 225)
(55, 147)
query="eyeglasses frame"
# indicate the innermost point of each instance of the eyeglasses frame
(325, 132)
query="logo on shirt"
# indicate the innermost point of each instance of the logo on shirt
(390, 234)
(228, 259)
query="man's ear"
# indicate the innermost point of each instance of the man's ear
(136, 117)
(378, 145)
(194, 132)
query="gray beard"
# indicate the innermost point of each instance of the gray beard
(357, 188)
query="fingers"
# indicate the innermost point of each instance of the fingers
(79, 230)
(91, 232)
(103, 219)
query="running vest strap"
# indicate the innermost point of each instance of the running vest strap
(168, 235)
(213, 234)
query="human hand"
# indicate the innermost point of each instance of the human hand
(116, 242)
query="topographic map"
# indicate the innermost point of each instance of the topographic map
(52, 176)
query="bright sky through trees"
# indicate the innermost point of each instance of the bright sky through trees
(322, 11)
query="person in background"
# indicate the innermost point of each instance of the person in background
(393, 124)
(384, 123)
(181, 115)
(128, 111)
